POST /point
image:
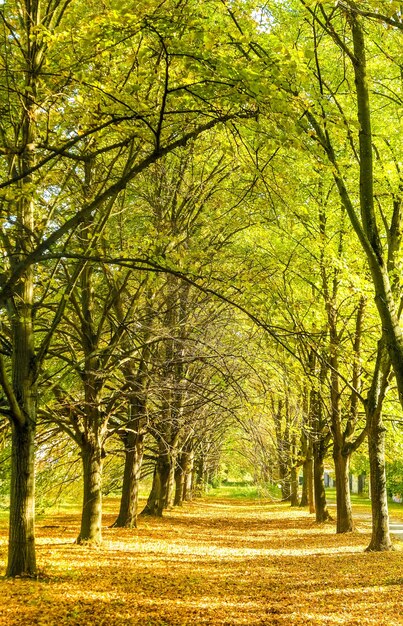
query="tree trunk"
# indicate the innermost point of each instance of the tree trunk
(380, 539)
(311, 498)
(152, 500)
(304, 494)
(307, 498)
(170, 494)
(321, 511)
(285, 488)
(201, 478)
(294, 486)
(158, 495)
(189, 477)
(344, 512)
(21, 547)
(21, 241)
(21, 551)
(134, 449)
(91, 518)
(21, 395)
(180, 480)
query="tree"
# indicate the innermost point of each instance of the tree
(60, 93)
(24, 49)
(381, 252)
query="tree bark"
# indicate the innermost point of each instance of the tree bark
(189, 477)
(282, 426)
(304, 493)
(21, 547)
(180, 476)
(294, 486)
(306, 443)
(91, 518)
(344, 511)
(134, 449)
(380, 539)
(201, 477)
(321, 437)
(307, 483)
(159, 490)
(321, 510)
(170, 494)
(311, 497)
(21, 395)
(22, 398)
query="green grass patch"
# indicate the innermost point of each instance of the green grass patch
(243, 490)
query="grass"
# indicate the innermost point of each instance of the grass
(235, 491)
(242, 491)
(363, 501)
(226, 559)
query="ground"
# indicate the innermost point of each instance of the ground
(216, 561)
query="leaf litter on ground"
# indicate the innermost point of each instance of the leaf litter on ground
(211, 562)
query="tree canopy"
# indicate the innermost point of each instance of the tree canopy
(201, 207)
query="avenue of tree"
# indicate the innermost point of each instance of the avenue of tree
(201, 229)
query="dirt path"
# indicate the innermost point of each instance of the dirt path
(214, 562)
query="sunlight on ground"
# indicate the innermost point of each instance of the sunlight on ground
(217, 563)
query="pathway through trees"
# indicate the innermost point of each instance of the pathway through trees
(215, 561)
